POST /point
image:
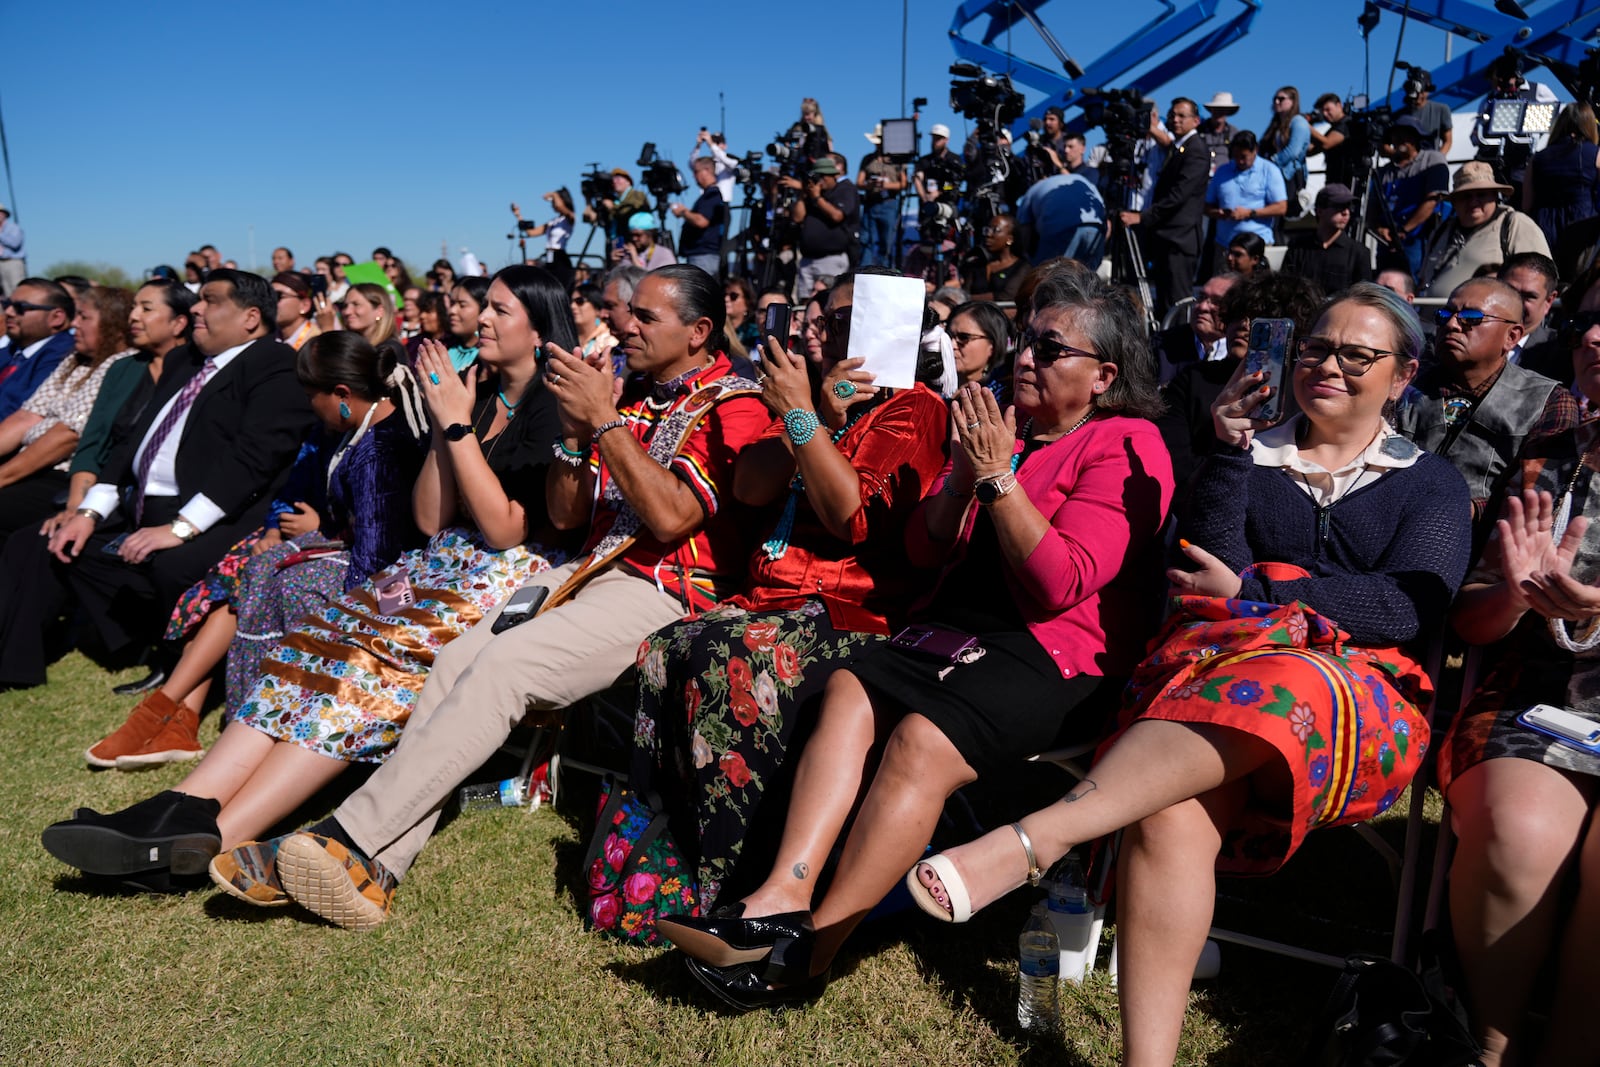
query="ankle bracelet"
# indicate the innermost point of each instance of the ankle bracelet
(1035, 875)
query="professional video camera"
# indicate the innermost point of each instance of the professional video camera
(596, 186)
(991, 102)
(661, 177)
(1417, 82)
(1124, 115)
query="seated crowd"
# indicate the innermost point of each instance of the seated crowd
(841, 603)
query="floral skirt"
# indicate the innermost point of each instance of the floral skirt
(343, 681)
(274, 591)
(1347, 721)
(723, 698)
(218, 587)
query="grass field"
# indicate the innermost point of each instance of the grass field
(485, 959)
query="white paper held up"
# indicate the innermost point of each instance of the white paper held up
(886, 328)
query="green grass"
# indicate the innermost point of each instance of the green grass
(485, 960)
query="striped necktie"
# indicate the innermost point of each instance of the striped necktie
(158, 437)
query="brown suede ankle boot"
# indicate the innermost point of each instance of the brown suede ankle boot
(143, 723)
(177, 740)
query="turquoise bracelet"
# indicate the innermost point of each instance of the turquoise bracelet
(801, 425)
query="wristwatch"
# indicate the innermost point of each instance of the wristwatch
(184, 530)
(989, 490)
(456, 431)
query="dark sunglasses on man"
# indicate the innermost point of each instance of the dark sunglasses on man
(22, 307)
(1468, 318)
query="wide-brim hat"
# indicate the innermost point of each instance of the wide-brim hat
(825, 166)
(1222, 104)
(1474, 176)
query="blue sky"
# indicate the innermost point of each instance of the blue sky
(139, 132)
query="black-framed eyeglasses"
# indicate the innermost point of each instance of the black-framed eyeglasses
(1576, 325)
(1046, 351)
(1468, 318)
(1353, 360)
(22, 307)
(962, 340)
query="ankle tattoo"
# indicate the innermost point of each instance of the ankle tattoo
(800, 871)
(1079, 791)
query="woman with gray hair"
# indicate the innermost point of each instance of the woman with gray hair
(1043, 525)
(1279, 697)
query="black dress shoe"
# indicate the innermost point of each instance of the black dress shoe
(168, 832)
(746, 987)
(725, 939)
(154, 680)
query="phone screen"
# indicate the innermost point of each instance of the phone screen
(1270, 342)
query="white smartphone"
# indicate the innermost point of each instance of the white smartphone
(1563, 725)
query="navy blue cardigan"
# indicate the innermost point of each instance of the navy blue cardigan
(1392, 554)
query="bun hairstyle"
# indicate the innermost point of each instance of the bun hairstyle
(345, 357)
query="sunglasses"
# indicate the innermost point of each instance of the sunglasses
(837, 320)
(961, 340)
(1577, 325)
(1353, 360)
(1468, 318)
(1046, 351)
(22, 307)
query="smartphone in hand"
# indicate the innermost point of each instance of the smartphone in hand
(1271, 341)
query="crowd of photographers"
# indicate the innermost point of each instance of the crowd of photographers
(391, 516)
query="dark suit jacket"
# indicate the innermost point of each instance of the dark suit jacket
(242, 433)
(1543, 353)
(1178, 201)
(18, 386)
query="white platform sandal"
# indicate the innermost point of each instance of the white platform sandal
(955, 890)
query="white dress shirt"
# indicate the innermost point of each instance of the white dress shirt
(162, 480)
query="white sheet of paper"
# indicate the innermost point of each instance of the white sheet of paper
(886, 328)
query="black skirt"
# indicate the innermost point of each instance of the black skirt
(998, 710)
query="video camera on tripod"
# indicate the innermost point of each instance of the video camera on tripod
(991, 102)
(660, 176)
(595, 185)
(1124, 116)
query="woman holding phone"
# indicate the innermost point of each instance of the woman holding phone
(722, 696)
(1281, 695)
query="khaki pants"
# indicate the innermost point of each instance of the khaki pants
(12, 271)
(480, 688)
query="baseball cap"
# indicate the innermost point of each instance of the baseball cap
(1334, 194)
(940, 130)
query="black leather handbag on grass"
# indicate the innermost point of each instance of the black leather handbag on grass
(1381, 1014)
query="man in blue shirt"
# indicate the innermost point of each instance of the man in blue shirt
(701, 241)
(38, 313)
(13, 262)
(1244, 193)
(1068, 216)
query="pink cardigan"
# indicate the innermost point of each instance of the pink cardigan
(1090, 590)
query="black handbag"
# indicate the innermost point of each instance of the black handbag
(1381, 1014)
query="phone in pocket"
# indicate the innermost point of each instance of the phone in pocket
(938, 643)
(1564, 726)
(394, 593)
(523, 605)
(1271, 341)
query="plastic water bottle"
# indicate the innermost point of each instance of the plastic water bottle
(507, 794)
(1072, 916)
(1038, 971)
